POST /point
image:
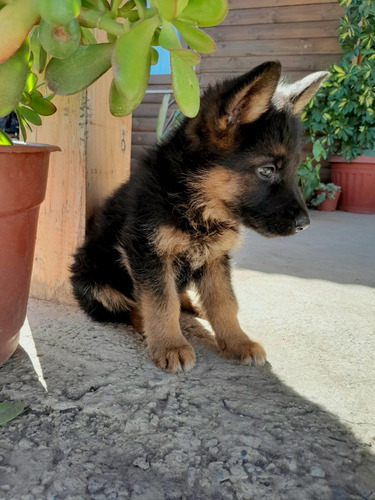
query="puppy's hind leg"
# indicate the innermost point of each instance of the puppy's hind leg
(100, 300)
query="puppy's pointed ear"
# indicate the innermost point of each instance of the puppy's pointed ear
(298, 94)
(250, 95)
(231, 103)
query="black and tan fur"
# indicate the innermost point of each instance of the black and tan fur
(176, 221)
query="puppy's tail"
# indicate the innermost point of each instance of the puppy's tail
(101, 301)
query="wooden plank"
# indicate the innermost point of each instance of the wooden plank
(252, 4)
(289, 63)
(298, 13)
(212, 78)
(143, 138)
(108, 142)
(138, 152)
(62, 215)
(108, 146)
(147, 110)
(141, 124)
(280, 47)
(159, 80)
(153, 98)
(308, 29)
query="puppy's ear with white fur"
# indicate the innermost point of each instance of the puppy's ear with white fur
(298, 94)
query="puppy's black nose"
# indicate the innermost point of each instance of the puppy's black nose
(302, 222)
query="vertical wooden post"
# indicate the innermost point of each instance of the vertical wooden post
(108, 145)
(95, 158)
(62, 215)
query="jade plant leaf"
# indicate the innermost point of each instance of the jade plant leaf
(58, 12)
(154, 56)
(29, 115)
(5, 140)
(204, 13)
(81, 69)
(181, 4)
(190, 57)
(31, 82)
(184, 81)
(195, 38)
(167, 8)
(39, 54)
(118, 104)
(41, 105)
(9, 410)
(168, 38)
(131, 61)
(60, 41)
(16, 20)
(13, 74)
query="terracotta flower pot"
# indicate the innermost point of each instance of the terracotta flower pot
(23, 180)
(357, 181)
(328, 205)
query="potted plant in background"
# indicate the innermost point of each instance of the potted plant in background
(308, 172)
(326, 197)
(56, 39)
(341, 117)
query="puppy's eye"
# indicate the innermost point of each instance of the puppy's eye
(266, 172)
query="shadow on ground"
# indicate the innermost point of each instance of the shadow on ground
(112, 426)
(338, 246)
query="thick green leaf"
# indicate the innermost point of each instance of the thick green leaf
(5, 140)
(16, 20)
(162, 116)
(26, 98)
(131, 61)
(22, 123)
(30, 115)
(39, 54)
(9, 410)
(41, 105)
(168, 38)
(195, 38)
(60, 41)
(58, 12)
(204, 12)
(185, 84)
(181, 4)
(31, 82)
(167, 8)
(118, 104)
(154, 56)
(81, 69)
(87, 36)
(190, 57)
(13, 73)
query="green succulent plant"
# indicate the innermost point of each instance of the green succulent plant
(56, 38)
(341, 116)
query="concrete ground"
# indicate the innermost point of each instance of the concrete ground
(101, 422)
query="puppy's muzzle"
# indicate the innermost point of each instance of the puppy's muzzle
(301, 222)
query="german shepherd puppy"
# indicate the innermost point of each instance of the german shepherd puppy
(174, 223)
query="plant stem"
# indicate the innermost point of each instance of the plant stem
(141, 6)
(115, 4)
(94, 19)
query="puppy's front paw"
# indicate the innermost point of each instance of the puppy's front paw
(242, 349)
(172, 358)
